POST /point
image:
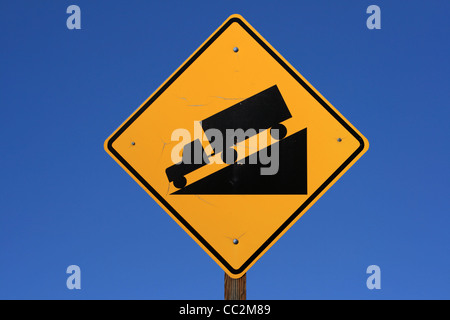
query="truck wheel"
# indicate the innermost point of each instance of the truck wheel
(180, 182)
(225, 155)
(282, 131)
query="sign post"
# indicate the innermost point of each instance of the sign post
(235, 289)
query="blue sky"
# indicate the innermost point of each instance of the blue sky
(64, 201)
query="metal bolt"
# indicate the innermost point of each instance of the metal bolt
(235, 49)
(235, 241)
(339, 139)
(133, 143)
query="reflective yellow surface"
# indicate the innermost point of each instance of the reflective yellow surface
(216, 79)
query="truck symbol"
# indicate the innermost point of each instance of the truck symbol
(188, 163)
(261, 111)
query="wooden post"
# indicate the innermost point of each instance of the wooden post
(235, 289)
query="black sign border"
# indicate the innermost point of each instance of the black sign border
(172, 210)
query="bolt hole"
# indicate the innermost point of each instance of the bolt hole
(235, 49)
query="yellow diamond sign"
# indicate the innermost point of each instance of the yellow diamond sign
(236, 146)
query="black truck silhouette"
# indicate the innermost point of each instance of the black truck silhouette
(261, 111)
(189, 163)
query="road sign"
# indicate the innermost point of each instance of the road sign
(236, 146)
